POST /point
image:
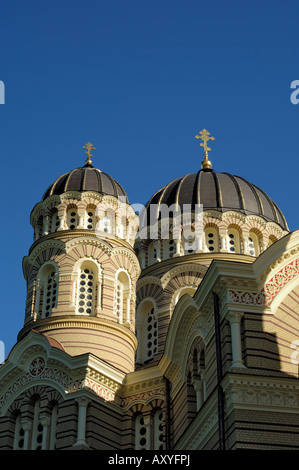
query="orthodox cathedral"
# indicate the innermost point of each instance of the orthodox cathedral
(165, 330)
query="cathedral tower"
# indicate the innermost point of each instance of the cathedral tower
(81, 270)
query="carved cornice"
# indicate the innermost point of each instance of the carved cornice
(88, 378)
(261, 393)
(67, 321)
(280, 279)
(272, 287)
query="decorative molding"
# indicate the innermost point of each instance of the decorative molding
(194, 268)
(130, 255)
(43, 245)
(280, 279)
(104, 246)
(148, 280)
(246, 298)
(272, 287)
(259, 392)
(99, 390)
(142, 397)
(56, 376)
(104, 387)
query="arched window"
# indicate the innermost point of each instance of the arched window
(191, 397)
(37, 428)
(38, 436)
(211, 239)
(189, 242)
(142, 438)
(72, 218)
(87, 287)
(158, 429)
(50, 293)
(106, 221)
(19, 434)
(86, 291)
(53, 426)
(152, 334)
(122, 296)
(121, 227)
(90, 219)
(46, 290)
(253, 244)
(168, 248)
(54, 221)
(233, 241)
(147, 331)
(149, 431)
(39, 227)
(152, 253)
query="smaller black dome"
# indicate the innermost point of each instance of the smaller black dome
(86, 179)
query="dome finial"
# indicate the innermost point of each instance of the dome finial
(88, 147)
(205, 136)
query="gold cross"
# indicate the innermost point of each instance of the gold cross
(205, 137)
(88, 147)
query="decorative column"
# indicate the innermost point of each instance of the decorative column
(45, 422)
(177, 237)
(127, 304)
(198, 387)
(74, 278)
(82, 408)
(235, 325)
(147, 424)
(246, 244)
(177, 244)
(62, 218)
(81, 215)
(138, 326)
(38, 288)
(46, 225)
(222, 240)
(99, 291)
(158, 250)
(26, 425)
(142, 255)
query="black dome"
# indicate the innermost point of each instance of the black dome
(86, 179)
(221, 192)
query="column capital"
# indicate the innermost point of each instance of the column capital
(234, 316)
(26, 424)
(45, 420)
(82, 401)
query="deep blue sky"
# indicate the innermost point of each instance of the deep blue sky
(139, 79)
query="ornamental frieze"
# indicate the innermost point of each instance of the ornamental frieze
(272, 287)
(280, 279)
(246, 298)
(38, 372)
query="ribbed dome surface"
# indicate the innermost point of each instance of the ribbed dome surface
(86, 179)
(221, 192)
